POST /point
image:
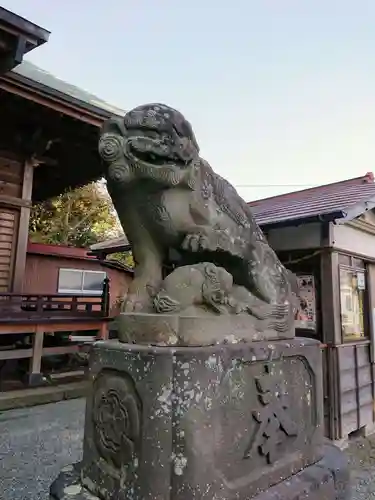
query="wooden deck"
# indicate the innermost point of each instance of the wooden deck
(29, 307)
(34, 316)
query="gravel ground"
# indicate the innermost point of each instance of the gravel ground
(361, 455)
(35, 443)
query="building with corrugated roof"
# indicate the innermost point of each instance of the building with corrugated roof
(326, 235)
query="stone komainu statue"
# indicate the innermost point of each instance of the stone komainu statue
(206, 394)
(170, 201)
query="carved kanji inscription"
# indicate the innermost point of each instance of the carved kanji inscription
(274, 422)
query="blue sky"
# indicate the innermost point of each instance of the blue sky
(281, 93)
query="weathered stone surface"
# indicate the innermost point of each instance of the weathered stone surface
(328, 479)
(171, 203)
(173, 330)
(217, 422)
(200, 305)
(68, 485)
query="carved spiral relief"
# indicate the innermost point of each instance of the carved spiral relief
(118, 173)
(116, 418)
(110, 147)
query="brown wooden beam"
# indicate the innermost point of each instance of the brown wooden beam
(44, 160)
(58, 350)
(13, 202)
(54, 103)
(23, 227)
(28, 328)
(36, 358)
(47, 351)
(15, 354)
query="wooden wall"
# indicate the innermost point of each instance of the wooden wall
(297, 262)
(42, 273)
(349, 368)
(349, 239)
(303, 237)
(8, 241)
(12, 175)
(356, 388)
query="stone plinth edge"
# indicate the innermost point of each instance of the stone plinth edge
(328, 479)
(231, 420)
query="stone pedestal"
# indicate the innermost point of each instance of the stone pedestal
(235, 421)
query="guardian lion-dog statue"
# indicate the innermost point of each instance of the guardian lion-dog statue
(171, 202)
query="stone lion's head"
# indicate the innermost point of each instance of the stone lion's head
(153, 141)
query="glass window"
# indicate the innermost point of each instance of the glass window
(70, 281)
(93, 282)
(352, 295)
(77, 281)
(359, 263)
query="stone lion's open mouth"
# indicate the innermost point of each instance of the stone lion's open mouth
(152, 151)
(154, 159)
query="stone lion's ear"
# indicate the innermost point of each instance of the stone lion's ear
(114, 126)
(190, 134)
(185, 130)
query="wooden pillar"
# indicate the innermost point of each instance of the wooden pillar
(371, 307)
(330, 298)
(103, 332)
(35, 377)
(371, 322)
(23, 228)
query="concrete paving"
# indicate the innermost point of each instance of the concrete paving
(22, 398)
(35, 443)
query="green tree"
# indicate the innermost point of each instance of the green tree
(125, 258)
(80, 218)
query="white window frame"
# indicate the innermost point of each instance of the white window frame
(96, 293)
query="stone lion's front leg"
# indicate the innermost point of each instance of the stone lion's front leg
(138, 297)
(147, 279)
(203, 239)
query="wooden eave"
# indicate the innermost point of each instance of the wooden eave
(51, 98)
(17, 37)
(72, 147)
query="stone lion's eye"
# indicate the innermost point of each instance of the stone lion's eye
(110, 147)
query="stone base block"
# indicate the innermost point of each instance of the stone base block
(222, 422)
(326, 480)
(226, 422)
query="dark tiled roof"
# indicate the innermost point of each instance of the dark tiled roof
(345, 199)
(112, 244)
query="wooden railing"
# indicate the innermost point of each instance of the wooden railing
(15, 306)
